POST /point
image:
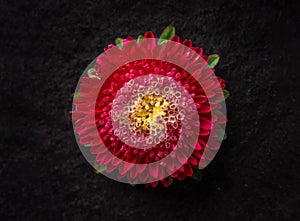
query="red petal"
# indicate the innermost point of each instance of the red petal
(154, 184)
(149, 34)
(193, 161)
(125, 167)
(153, 169)
(188, 170)
(141, 167)
(166, 182)
(175, 38)
(133, 173)
(188, 43)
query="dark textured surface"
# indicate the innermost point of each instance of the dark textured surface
(45, 46)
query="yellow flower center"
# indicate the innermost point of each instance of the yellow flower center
(148, 112)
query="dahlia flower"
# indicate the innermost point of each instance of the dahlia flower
(146, 110)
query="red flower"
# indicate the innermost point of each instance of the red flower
(127, 99)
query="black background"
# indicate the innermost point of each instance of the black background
(45, 46)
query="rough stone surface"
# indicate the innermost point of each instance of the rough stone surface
(45, 46)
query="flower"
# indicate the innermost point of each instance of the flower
(145, 107)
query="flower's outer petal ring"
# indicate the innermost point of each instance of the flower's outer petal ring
(182, 56)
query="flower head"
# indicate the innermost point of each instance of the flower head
(146, 119)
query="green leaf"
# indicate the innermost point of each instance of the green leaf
(226, 93)
(213, 60)
(168, 33)
(119, 42)
(140, 38)
(77, 95)
(99, 169)
(197, 175)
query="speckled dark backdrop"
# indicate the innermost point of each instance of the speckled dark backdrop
(45, 46)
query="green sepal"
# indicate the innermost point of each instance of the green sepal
(197, 175)
(99, 169)
(213, 60)
(140, 38)
(171, 181)
(77, 95)
(133, 184)
(92, 70)
(225, 136)
(221, 135)
(226, 93)
(168, 33)
(119, 42)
